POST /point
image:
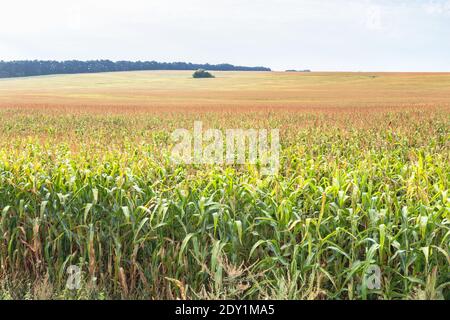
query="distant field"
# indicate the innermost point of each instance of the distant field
(86, 179)
(238, 91)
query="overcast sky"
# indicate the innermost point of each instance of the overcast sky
(357, 35)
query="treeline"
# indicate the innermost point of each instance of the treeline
(26, 68)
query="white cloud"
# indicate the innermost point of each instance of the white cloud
(437, 7)
(282, 34)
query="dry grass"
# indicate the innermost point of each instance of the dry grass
(166, 91)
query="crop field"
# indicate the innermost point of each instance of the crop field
(87, 180)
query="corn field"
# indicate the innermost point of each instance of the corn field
(99, 191)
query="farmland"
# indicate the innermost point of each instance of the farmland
(86, 179)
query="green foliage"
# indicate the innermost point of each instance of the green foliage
(100, 192)
(26, 68)
(200, 73)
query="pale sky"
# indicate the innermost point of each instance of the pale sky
(354, 35)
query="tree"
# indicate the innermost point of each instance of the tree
(38, 67)
(200, 73)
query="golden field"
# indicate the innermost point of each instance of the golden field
(237, 91)
(86, 179)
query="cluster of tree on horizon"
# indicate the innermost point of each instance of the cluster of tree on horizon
(24, 68)
(293, 70)
(200, 73)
